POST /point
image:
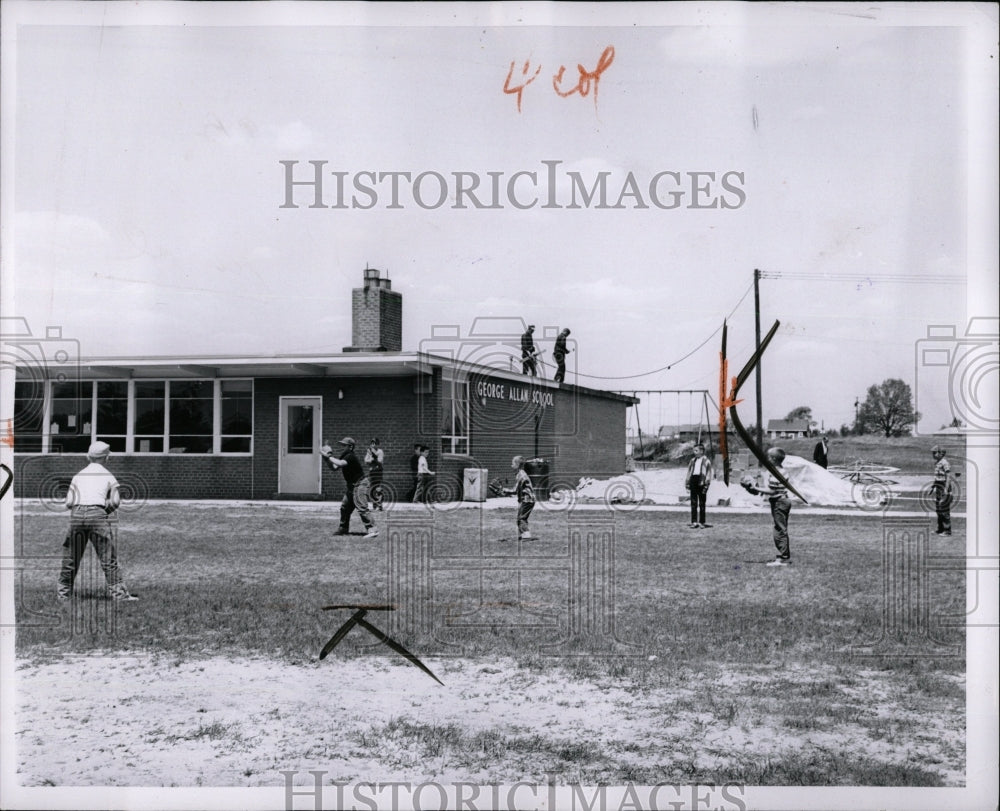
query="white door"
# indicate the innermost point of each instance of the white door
(300, 423)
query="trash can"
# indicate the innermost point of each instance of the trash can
(475, 484)
(538, 472)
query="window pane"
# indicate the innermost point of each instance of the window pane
(237, 414)
(237, 386)
(112, 408)
(117, 443)
(71, 413)
(182, 389)
(66, 443)
(149, 416)
(300, 429)
(236, 444)
(190, 443)
(29, 407)
(191, 416)
(149, 388)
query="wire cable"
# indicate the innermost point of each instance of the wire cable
(680, 359)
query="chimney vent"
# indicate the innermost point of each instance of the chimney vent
(376, 315)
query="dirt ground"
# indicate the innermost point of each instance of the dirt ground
(96, 720)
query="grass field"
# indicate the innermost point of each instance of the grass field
(833, 671)
(911, 454)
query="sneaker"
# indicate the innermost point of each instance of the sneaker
(120, 594)
(704, 526)
(692, 526)
(372, 533)
(526, 536)
(942, 532)
(341, 532)
(779, 562)
(64, 594)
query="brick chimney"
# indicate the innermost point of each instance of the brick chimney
(376, 316)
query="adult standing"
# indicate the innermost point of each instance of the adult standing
(374, 458)
(560, 352)
(93, 499)
(356, 494)
(528, 352)
(821, 452)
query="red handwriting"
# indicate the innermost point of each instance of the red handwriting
(7, 437)
(519, 88)
(588, 79)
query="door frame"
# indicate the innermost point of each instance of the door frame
(317, 439)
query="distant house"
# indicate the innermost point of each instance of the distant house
(691, 431)
(688, 431)
(787, 429)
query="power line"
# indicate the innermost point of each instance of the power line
(682, 358)
(871, 278)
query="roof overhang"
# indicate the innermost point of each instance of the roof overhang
(348, 364)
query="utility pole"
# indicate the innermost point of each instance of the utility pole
(756, 315)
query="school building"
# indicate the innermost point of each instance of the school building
(233, 427)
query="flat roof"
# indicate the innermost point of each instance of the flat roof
(345, 364)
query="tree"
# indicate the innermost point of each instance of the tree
(800, 413)
(888, 410)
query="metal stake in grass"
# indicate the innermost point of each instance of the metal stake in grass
(357, 618)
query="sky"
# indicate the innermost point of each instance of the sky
(146, 187)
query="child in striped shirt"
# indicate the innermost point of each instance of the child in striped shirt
(781, 506)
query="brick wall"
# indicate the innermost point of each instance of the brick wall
(168, 476)
(383, 407)
(376, 319)
(581, 434)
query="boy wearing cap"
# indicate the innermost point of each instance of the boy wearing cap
(356, 495)
(943, 489)
(559, 353)
(93, 499)
(528, 352)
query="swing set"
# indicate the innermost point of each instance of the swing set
(663, 412)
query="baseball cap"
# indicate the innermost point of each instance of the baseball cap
(347, 441)
(99, 449)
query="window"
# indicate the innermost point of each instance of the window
(148, 423)
(141, 416)
(236, 426)
(71, 417)
(112, 414)
(29, 414)
(191, 404)
(300, 429)
(455, 417)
